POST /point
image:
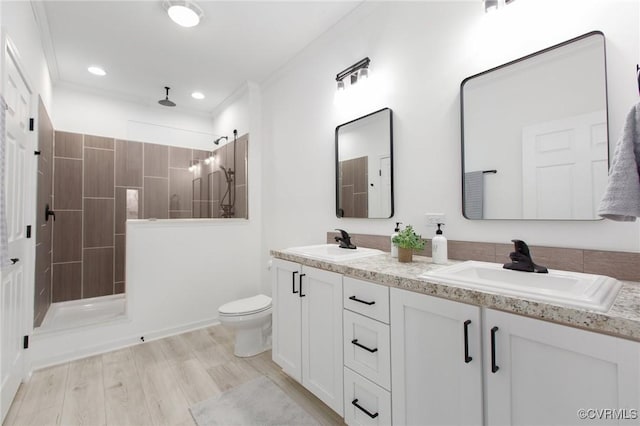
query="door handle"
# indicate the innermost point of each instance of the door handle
(293, 282)
(48, 212)
(14, 260)
(494, 366)
(300, 281)
(467, 358)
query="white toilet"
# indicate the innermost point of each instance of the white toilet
(251, 320)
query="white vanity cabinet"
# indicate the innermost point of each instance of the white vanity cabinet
(307, 328)
(541, 373)
(436, 361)
(367, 364)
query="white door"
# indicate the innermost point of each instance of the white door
(322, 366)
(565, 167)
(286, 340)
(544, 374)
(436, 362)
(19, 149)
(385, 186)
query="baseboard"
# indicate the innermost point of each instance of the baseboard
(84, 352)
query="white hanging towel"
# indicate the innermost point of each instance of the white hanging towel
(621, 200)
(4, 234)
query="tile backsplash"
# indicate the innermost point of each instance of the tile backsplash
(620, 265)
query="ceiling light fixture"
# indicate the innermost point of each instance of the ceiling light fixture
(96, 70)
(184, 12)
(359, 70)
(197, 95)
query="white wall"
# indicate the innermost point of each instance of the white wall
(420, 52)
(82, 111)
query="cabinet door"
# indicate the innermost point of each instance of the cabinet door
(547, 372)
(322, 368)
(434, 381)
(285, 278)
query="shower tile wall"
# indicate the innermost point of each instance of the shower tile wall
(91, 178)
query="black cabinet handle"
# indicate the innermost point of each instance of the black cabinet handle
(467, 358)
(48, 212)
(494, 367)
(364, 410)
(14, 260)
(355, 299)
(293, 282)
(301, 275)
(355, 342)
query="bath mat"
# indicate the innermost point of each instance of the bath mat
(258, 402)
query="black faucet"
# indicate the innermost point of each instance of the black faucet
(345, 240)
(521, 259)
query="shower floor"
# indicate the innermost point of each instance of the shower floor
(83, 312)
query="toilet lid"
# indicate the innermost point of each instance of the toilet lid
(246, 306)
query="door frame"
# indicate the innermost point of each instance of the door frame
(9, 48)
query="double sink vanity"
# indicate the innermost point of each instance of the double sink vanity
(381, 342)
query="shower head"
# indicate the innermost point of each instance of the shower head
(166, 102)
(217, 141)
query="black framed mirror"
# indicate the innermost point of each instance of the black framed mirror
(364, 166)
(535, 135)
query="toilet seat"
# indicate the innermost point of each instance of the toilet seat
(248, 306)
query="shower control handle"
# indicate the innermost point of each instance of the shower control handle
(48, 212)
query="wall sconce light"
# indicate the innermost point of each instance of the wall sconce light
(357, 71)
(194, 165)
(490, 6)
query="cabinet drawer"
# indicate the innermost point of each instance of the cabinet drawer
(365, 403)
(367, 299)
(367, 348)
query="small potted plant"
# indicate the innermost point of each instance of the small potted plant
(407, 241)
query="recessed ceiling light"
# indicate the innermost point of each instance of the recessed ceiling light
(184, 12)
(96, 70)
(197, 95)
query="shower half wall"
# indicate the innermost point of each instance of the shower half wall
(99, 183)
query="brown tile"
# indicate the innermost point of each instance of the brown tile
(360, 177)
(98, 173)
(67, 184)
(156, 198)
(185, 214)
(347, 202)
(214, 209)
(97, 273)
(620, 265)
(120, 258)
(128, 163)
(361, 204)
(557, 258)
(67, 281)
(156, 160)
(68, 145)
(119, 288)
(121, 208)
(196, 189)
(67, 237)
(241, 202)
(98, 222)
(201, 209)
(471, 250)
(199, 154)
(214, 185)
(100, 142)
(241, 160)
(180, 157)
(179, 189)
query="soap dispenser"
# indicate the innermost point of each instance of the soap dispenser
(394, 248)
(439, 247)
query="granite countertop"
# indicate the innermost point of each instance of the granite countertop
(622, 319)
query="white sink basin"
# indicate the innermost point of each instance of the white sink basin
(332, 252)
(594, 292)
